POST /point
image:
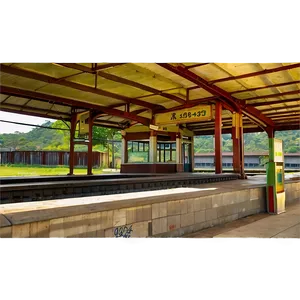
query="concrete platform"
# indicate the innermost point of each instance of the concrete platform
(14, 190)
(285, 225)
(161, 213)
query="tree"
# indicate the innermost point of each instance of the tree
(102, 134)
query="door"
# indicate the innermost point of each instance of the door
(187, 153)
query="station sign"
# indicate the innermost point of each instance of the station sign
(185, 115)
(278, 151)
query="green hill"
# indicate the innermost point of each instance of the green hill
(46, 139)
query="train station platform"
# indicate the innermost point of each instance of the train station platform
(263, 225)
(170, 212)
(27, 189)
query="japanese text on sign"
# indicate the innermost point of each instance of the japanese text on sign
(187, 115)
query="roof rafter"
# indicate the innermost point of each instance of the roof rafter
(35, 114)
(273, 95)
(92, 70)
(34, 109)
(273, 102)
(74, 85)
(37, 96)
(268, 71)
(225, 96)
(266, 87)
(123, 81)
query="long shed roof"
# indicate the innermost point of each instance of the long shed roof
(123, 94)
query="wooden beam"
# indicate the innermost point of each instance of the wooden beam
(74, 85)
(123, 81)
(273, 95)
(36, 95)
(268, 71)
(224, 96)
(266, 87)
(273, 102)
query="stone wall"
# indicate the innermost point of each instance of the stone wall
(168, 216)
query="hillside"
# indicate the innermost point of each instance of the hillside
(253, 142)
(46, 139)
(54, 139)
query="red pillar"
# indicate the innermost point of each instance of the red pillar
(218, 138)
(90, 147)
(72, 135)
(236, 159)
(271, 132)
(238, 144)
(125, 150)
(243, 175)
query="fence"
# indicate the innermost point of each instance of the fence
(51, 158)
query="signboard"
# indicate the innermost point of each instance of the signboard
(83, 123)
(186, 115)
(278, 152)
(168, 128)
(279, 179)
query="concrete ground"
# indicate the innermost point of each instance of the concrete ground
(285, 225)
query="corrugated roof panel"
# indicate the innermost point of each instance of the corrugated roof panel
(199, 93)
(16, 101)
(20, 82)
(70, 93)
(164, 76)
(49, 69)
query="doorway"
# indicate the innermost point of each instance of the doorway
(187, 157)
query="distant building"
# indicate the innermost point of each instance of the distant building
(252, 160)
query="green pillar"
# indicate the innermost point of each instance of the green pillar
(275, 177)
(271, 183)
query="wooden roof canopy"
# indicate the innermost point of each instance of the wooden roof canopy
(124, 94)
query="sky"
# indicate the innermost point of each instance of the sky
(11, 128)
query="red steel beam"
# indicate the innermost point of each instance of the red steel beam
(140, 86)
(272, 95)
(289, 113)
(15, 111)
(287, 127)
(280, 108)
(266, 87)
(108, 65)
(93, 70)
(196, 65)
(122, 80)
(224, 96)
(273, 102)
(293, 117)
(96, 123)
(227, 131)
(74, 85)
(77, 67)
(37, 96)
(268, 71)
(181, 71)
(34, 109)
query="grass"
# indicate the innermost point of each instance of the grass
(10, 170)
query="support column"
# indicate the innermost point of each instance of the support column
(238, 144)
(90, 147)
(242, 152)
(179, 161)
(218, 138)
(271, 171)
(124, 150)
(192, 154)
(153, 147)
(72, 135)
